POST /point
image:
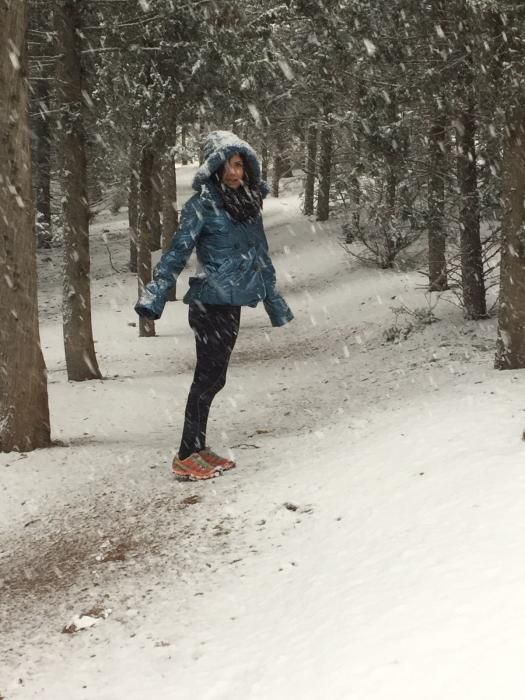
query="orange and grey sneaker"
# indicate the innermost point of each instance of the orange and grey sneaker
(215, 460)
(194, 468)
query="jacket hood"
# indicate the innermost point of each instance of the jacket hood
(218, 148)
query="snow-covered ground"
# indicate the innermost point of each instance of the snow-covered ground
(369, 545)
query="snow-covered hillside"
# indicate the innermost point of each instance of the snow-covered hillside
(369, 545)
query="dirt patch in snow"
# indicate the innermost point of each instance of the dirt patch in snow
(51, 564)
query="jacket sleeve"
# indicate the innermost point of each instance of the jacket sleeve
(153, 298)
(277, 309)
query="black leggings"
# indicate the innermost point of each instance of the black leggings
(216, 327)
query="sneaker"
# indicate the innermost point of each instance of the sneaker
(215, 460)
(193, 468)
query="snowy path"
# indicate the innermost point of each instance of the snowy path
(368, 546)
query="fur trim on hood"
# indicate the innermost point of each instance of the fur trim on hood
(218, 148)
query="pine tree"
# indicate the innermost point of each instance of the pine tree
(79, 347)
(24, 413)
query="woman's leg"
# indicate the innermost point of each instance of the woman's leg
(216, 329)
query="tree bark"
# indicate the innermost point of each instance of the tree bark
(310, 168)
(202, 132)
(24, 412)
(170, 214)
(282, 146)
(40, 23)
(510, 350)
(81, 361)
(471, 251)
(286, 165)
(183, 136)
(264, 158)
(133, 216)
(325, 170)
(276, 170)
(147, 158)
(43, 165)
(391, 184)
(156, 204)
(392, 160)
(355, 190)
(437, 264)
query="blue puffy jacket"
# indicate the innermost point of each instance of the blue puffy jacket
(234, 266)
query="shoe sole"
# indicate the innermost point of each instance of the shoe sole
(228, 466)
(194, 476)
(223, 467)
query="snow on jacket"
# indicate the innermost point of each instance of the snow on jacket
(234, 265)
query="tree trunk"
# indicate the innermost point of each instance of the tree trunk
(264, 158)
(325, 171)
(147, 158)
(391, 184)
(202, 132)
(24, 412)
(81, 361)
(43, 165)
(286, 165)
(355, 189)
(310, 167)
(471, 251)
(276, 169)
(133, 216)
(156, 204)
(437, 264)
(510, 351)
(392, 160)
(170, 214)
(183, 136)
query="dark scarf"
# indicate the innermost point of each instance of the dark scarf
(243, 204)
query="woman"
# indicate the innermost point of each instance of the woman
(223, 221)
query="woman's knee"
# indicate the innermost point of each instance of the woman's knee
(210, 381)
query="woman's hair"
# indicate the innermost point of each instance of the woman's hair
(244, 203)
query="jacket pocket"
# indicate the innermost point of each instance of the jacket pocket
(217, 285)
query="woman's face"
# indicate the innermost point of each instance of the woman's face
(233, 174)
